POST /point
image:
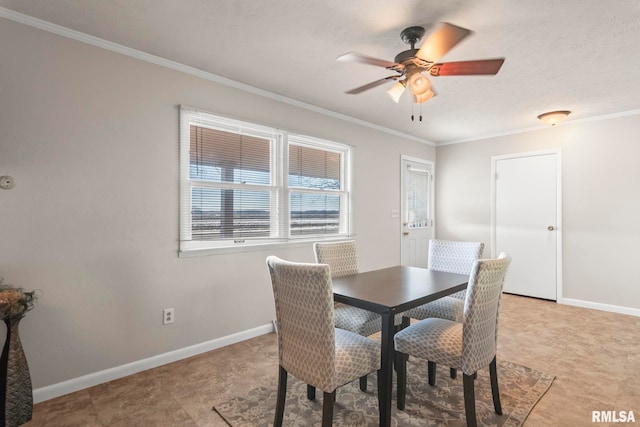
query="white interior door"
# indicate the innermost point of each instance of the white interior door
(417, 211)
(527, 221)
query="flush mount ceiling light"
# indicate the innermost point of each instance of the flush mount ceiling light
(553, 117)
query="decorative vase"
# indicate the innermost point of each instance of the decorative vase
(16, 396)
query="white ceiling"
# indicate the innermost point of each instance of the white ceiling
(578, 55)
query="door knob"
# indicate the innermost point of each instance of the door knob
(550, 228)
(406, 233)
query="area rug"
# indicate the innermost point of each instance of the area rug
(443, 405)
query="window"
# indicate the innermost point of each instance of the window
(417, 197)
(244, 185)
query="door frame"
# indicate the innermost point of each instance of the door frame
(432, 195)
(558, 154)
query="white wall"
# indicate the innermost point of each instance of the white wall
(601, 202)
(91, 137)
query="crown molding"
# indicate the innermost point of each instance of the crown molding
(163, 62)
(541, 127)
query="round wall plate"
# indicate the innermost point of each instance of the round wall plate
(7, 182)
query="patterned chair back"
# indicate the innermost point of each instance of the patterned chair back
(453, 256)
(303, 297)
(480, 325)
(341, 257)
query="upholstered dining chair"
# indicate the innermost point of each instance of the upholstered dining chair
(310, 347)
(342, 258)
(468, 345)
(451, 256)
(454, 257)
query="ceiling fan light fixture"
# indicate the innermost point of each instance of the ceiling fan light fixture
(419, 99)
(554, 117)
(420, 84)
(397, 90)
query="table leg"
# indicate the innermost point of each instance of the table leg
(385, 389)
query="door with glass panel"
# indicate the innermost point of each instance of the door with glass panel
(417, 211)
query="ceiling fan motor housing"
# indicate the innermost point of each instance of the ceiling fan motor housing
(405, 56)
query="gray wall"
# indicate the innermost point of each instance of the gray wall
(601, 202)
(91, 137)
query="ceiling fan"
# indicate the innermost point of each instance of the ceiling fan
(413, 63)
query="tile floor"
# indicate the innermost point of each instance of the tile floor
(594, 355)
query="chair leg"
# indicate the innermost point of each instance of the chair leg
(453, 373)
(493, 373)
(311, 392)
(327, 408)
(406, 321)
(363, 383)
(469, 400)
(282, 392)
(402, 379)
(431, 369)
(396, 359)
(379, 384)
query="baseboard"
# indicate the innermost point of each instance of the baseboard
(90, 380)
(600, 306)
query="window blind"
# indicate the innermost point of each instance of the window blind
(236, 210)
(314, 212)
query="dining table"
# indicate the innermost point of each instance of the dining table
(390, 291)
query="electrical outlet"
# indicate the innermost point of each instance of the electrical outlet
(167, 316)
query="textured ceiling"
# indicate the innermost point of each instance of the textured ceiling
(578, 55)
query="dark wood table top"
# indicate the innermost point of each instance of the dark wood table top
(396, 289)
(390, 291)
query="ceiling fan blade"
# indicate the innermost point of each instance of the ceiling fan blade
(467, 68)
(445, 37)
(371, 85)
(364, 59)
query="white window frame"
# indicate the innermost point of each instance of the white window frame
(280, 224)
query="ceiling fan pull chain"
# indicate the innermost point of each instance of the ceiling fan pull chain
(420, 112)
(411, 112)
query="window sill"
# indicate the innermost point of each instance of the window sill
(190, 253)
